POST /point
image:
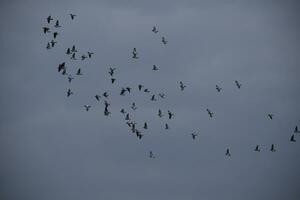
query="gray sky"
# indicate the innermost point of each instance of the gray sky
(51, 148)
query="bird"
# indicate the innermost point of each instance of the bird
(270, 116)
(146, 90)
(194, 135)
(57, 24)
(97, 97)
(296, 130)
(128, 89)
(153, 98)
(64, 72)
(123, 111)
(167, 126)
(73, 56)
(160, 113)
(83, 57)
(133, 107)
(72, 16)
(238, 84)
(154, 68)
(69, 92)
(154, 29)
(112, 80)
(49, 18)
(218, 88)
(73, 49)
(70, 78)
(111, 71)
(138, 134)
(106, 112)
(209, 113)
(140, 87)
(90, 54)
(68, 52)
(123, 90)
(162, 95)
(292, 139)
(151, 154)
(170, 114)
(55, 34)
(227, 153)
(106, 104)
(61, 66)
(46, 30)
(48, 46)
(87, 107)
(182, 86)
(134, 54)
(53, 43)
(127, 117)
(145, 125)
(164, 41)
(273, 148)
(105, 94)
(79, 72)
(257, 148)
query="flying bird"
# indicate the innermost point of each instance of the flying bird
(69, 92)
(146, 90)
(61, 66)
(112, 80)
(238, 84)
(127, 117)
(154, 68)
(123, 90)
(145, 125)
(83, 57)
(55, 34)
(162, 95)
(48, 46)
(73, 56)
(134, 54)
(296, 130)
(97, 97)
(90, 54)
(167, 126)
(153, 98)
(105, 94)
(160, 113)
(133, 107)
(57, 24)
(111, 71)
(209, 113)
(154, 29)
(257, 148)
(170, 114)
(292, 139)
(79, 72)
(151, 154)
(106, 112)
(164, 41)
(227, 153)
(87, 107)
(194, 135)
(122, 111)
(218, 88)
(128, 89)
(72, 16)
(140, 87)
(46, 30)
(271, 116)
(73, 49)
(182, 86)
(49, 18)
(68, 52)
(53, 43)
(273, 148)
(70, 78)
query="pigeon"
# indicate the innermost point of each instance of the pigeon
(73, 49)
(83, 57)
(134, 54)
(128, 89)
(97, 97)
(151, 155)
(296, 130)
(273, 148)
(167, 126)
(79, 72)
(257, 148)
(154, 29)
(146, 90)
(122, 111)
(238, 84)
(112, 80)
(123, 91)
(194, 135)
(49, 18)
(170, 114)
(48, 46)
(145, 125)
(46, 30)
(55, 34)
(87, 107)
(153, 98)
(57, 24)
(69, 93)
(227, 153)
(292, 138)
(68, 51)
(127, 117)
(140, 87)
(70, 78)
(53, 43)
(209, 113)
(138, 134)
(90, 54)
(271, 116)
(154, 68)
(61, 66)
(164, 41)
(160, 113)
(133, 107)
(73, 56)
(182, 86)
(106, 112)
(72, 16)
(218, 88)
(105, 94)
(111, 71)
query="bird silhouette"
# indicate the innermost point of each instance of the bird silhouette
(146, 90)
(68, 52)
(123, 111)
(238, 84)
(167, 126)
(154, 68)
(133, 107)
(49, 18)
(210, 113)
(134, 54)
(79, 72)
(53, 43)
(70, 78)
(273, 148)
(72, 16)
(46, 30)
(153, 98)
(112, 80)
(55, 34)
(128, 89)
(57, 24)
(227, 153)
(292, 139)
(182, 86)
(127, 117)
(106, 112)
(218, 88)
(105, 94)
(48, 46)
(271, 116)
(140, 87)
(194, 135)
(73, 57)
(162, 95)
(73, 49)
(154, 29)
(296, 130)
(145, 125)
(69, 92)
(111, 71)
(90, 54)
(164, 41)
(87, 107)
(257, 148)
(170, 114)
(160, 113)
(83, 57)
(123, 90)
(61, 66)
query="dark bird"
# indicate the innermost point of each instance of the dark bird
(49, 18)
(46, 30)
(53, 43)
(64, 72)
(151, 154)
(61, 66)
(227, 153)
(154, 68)
(105, 94)
(164, 41)
(154, 29)
(133, 106)
(70, 78)
(48, 46)
(194, 135)
(140, 87)
(73, 56)
(238, 84)
(106, 112)
(146, 90)
(153, 98)
(166, 126)
(218, 88)
(138, 134)
(162, 95)
(160, 113)
(97, 97)
(128, 89)
(296, 130)
(90, 54)
(123, 90)
(112, 80)
(209, 113)
(68, 51)
(73, 49)
(122, 111)
(55, 34)
(111, 71)
(127, 117)
(257, 148)
(170, 114)
(69, 93)
(273, 148)
(271, 116)
(57, 24)
(182, 86)
(79, 72)
(134, 54)
(87, 107)
(145, 125)
(292, 139)
(83, 57)
(72, 16)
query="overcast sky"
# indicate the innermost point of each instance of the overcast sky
(51, 148)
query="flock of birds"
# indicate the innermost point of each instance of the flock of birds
(73, 53)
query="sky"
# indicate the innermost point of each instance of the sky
(51, 148)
